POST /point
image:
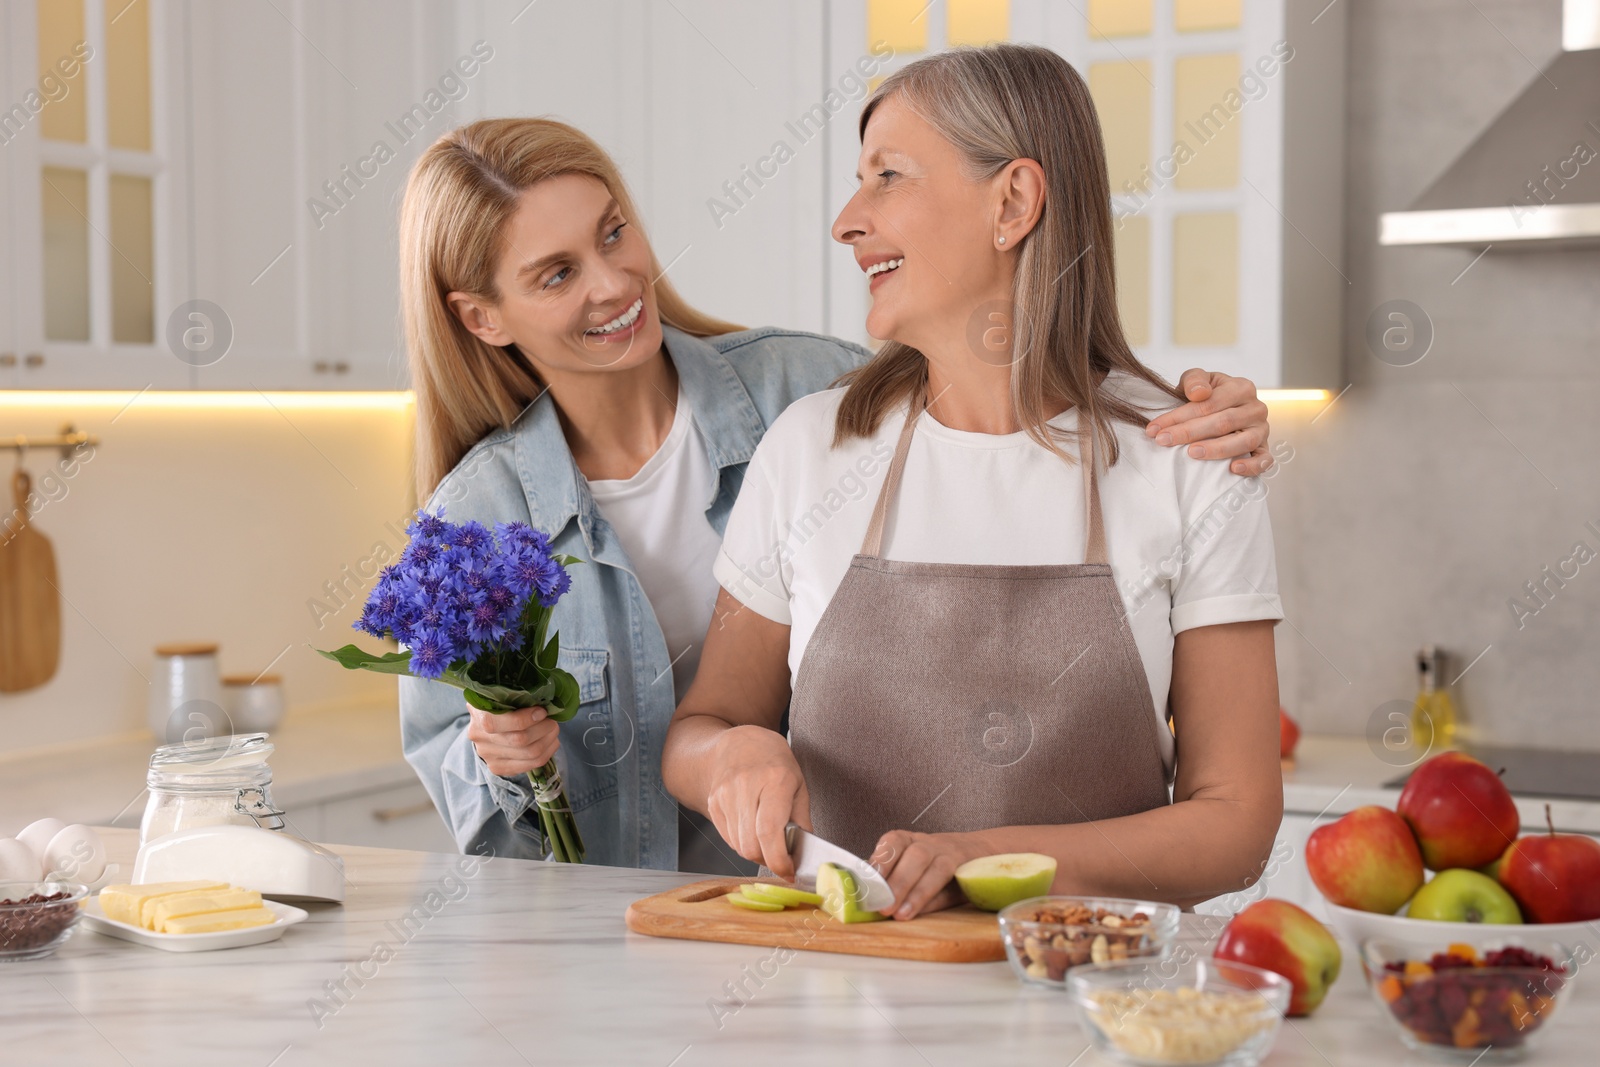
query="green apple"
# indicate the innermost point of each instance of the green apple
(1464, 896)
(992, 882)
(739, 900)
(840, 897)
(787, 895)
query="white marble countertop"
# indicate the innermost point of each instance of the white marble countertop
(1333, 775)
(517, 961)
(320, 754)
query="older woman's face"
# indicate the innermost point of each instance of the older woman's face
(917, 207)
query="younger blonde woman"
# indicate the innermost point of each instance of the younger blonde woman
(562, 381)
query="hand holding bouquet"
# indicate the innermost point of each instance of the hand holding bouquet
(472, 608)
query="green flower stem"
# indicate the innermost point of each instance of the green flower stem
(556, 819)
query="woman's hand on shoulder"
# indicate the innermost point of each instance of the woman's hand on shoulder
(514, 742)
(1224, 419)
(756, 791)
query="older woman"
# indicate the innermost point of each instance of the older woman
(983, 654)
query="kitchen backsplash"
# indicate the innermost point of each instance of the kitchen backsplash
(1419, 507)
(254, 528)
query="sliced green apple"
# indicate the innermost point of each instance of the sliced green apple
(992, 882)
(786, 895)
(840, 897)
(739, 900)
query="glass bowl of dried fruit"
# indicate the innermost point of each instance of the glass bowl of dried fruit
(1469, 1004)
(37, 917)
(1045, 936)
(1191, 1011)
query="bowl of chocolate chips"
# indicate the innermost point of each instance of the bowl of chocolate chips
(37, 917)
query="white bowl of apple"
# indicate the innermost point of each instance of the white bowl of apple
(1448, 866)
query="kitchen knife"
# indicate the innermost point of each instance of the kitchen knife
(809, 852)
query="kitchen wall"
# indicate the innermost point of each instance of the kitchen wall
(1422, 501)
(1411, 510)
(216, 525)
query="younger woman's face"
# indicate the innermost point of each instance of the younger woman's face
(574, 282)
(916, 206)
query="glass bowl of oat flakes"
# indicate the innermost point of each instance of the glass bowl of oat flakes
(1190, 1011)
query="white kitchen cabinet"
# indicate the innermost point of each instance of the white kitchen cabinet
(1225, 159)
(395, 817)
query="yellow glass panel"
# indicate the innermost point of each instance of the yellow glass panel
(1206, 105)
(1192, 15)
(1120, 18)
(132, 261)
(1205, 279)
(128, 74)
(1121, 94)
(1133, 277)
(978, 21)
(65, 198)
(901, 24)
(61, 47)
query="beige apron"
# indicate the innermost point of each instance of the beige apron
(939, 697)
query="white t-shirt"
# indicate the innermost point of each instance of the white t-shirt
(1189, 542)
(660, 517)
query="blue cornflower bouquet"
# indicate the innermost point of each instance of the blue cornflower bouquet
(472, 608)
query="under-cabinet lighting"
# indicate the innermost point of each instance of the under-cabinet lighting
(214, 400)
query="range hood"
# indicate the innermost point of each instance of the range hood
(1532, 179)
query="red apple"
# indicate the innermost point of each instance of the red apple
(1366, 860)
(1288, 734)
(1459, 809)
(1555, 878)
(1278, 936)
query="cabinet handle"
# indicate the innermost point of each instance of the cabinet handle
(320, 366)
(33, 359)
(8, 359)
(340, 367)
(391, 814)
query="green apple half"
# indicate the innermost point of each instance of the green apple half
(1463, 896)
(992, 882)
(840, 897)
(787, 895)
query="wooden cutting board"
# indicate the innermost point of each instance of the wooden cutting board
(698, 912)
(30, 607)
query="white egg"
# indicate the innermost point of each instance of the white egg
(17, 862)
(37, 835)
(76, 854)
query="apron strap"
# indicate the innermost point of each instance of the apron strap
(1094, 549)
(1095, 535)
(872, 543)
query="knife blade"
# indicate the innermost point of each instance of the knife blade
(809, 852)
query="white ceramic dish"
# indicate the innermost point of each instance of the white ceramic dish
(1358, 926)
(94, 917)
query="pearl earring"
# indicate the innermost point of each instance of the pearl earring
(1002, 240)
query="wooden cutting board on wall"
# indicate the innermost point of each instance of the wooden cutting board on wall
(698, 912)
(30, 606)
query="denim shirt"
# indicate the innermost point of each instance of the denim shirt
(610, 755)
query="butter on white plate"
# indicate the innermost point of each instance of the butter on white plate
(188, 919)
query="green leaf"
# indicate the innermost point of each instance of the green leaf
(483, 703)
(550, 654)
(352, 658)
(565, 702)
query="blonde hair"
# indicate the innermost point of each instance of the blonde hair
(997, 104)
(459, 198)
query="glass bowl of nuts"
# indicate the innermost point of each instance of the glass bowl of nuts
(1195, 1011)
(36, 917)
(1468, 1003)
(1045, 936)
